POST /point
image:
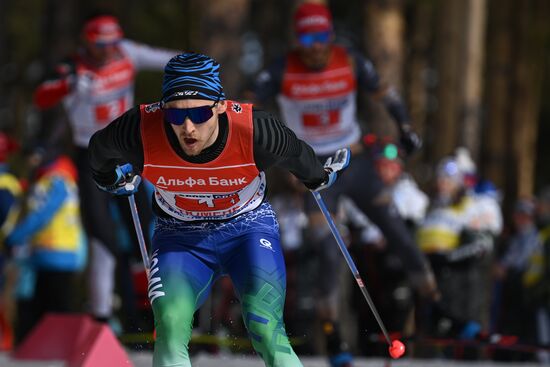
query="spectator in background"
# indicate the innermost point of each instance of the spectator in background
(509, 270)
(95, 86)
(10, 188)
(10, 196)
(484, 192)
(385, 270)
(410, 202)
(467, 166)
(536, 278)
(458, 238)
(316, 85)
(486, 199)
(52, 237)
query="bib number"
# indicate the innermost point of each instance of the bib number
(325, 118)
(207, 202)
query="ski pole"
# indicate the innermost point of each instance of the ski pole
(139, 233)
(396, 347)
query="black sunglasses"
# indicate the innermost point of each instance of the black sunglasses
(197, 115)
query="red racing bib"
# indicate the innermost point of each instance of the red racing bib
(220, 189)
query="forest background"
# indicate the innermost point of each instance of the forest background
(474, 73)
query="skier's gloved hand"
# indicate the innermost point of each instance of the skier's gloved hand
(334, 166)
(410, 141)
(80, 84)
(126, 183)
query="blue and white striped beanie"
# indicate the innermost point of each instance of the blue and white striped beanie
(192, 76)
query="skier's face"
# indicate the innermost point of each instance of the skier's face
(389, 170)
(195, 137)
(314, 49)
(102, 52)
(447, 187)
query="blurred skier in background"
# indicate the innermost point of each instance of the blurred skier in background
(95, 86)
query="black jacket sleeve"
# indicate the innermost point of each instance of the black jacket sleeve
(369, 80)
(277, 145)
(116, 144)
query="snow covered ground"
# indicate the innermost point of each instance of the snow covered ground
(144, 360)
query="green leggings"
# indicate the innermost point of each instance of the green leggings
(181, 279)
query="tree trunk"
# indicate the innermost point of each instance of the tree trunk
(384, 28)
(495, 151)
(472, 66)
(448, 44)
(275, 44)
(418, 65)
(527, 79)
(419, 80)
(3, 62)
(221, 30)
(3, 39)
(519, 37)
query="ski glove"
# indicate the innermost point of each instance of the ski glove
(334, 166)
(126, 183)
(410, 141)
